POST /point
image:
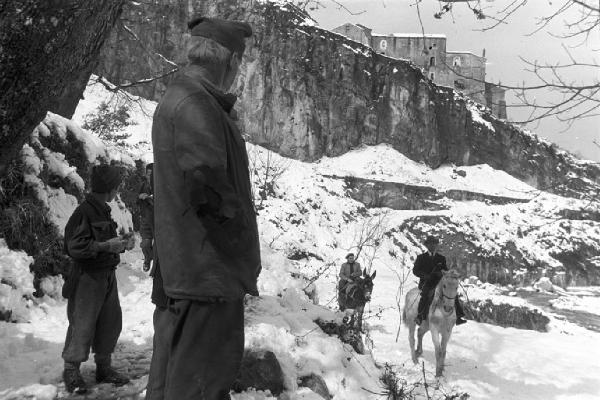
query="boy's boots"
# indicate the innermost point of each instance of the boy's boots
(73, 380)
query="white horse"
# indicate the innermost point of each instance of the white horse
(440, 318)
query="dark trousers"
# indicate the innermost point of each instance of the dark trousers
(146, 246)
(425, 302)
(198, 348)
(94, 314)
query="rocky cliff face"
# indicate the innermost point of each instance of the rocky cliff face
(307, 92)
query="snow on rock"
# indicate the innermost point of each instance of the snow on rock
(475, 110)
(44, 167)
(33, 392)
(544, 284)
(16, 283)
(383, 162)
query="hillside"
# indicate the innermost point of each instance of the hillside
(310, 216)
(307, 92)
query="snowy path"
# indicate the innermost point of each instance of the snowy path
(486, 361)
(491, 362)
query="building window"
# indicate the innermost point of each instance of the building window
(432, 62)
(432, 76)
(459, 84)
(456, 62)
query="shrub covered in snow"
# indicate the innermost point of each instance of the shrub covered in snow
(16, 284)
(45, 186)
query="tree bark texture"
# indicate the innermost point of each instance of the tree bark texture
(48, 50)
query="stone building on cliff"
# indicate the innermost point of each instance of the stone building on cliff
(461, 70)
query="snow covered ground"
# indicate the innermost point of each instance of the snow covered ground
(310, 219)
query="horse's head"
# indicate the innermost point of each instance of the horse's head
(448, 288)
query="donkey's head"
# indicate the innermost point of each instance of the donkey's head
(366, 285)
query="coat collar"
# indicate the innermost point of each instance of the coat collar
(100, 206)
(225, 100)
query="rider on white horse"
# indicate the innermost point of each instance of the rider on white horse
(428, 267)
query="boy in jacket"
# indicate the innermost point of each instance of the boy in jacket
(93, 308)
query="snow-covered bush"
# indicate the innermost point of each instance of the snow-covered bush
(44, 187)
(16, 284)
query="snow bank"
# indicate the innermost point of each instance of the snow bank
(41, 161)
(16, 283)
(383, 162)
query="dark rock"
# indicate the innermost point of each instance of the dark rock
(260, 370)
(401, 196)
(344, 332)
(461, 172)
(507, 315)
(315, 383)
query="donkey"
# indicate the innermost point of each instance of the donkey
(440, 318)
(358, 293)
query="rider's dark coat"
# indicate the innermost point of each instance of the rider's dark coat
(429, 269)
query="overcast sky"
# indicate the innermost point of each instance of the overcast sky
(504, 45)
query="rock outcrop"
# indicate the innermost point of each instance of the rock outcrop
(307, 92)
(402, 196)
(507, 315)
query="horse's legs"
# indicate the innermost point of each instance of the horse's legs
(440, 349)
(444, 345)
(423, 328)
(411, 340)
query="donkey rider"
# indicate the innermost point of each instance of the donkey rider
(350, 270)
(428, 267)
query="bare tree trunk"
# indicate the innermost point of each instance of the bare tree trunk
(48, 50)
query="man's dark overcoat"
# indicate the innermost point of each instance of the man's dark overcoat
(193, 131)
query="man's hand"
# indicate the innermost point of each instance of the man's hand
(129, 240)
(143, 196)
(114, 245)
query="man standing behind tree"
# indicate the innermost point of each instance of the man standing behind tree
(348, 273)
(146, 202)
(206, 235)
(93, 307)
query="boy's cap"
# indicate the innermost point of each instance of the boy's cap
(105, 178)
(230, 34)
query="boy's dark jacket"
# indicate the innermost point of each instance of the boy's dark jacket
(90, 223)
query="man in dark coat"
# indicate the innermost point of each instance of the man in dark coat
(93, 307)
(428, 267)
(146, 204)
(350, 270)
(206, 236)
